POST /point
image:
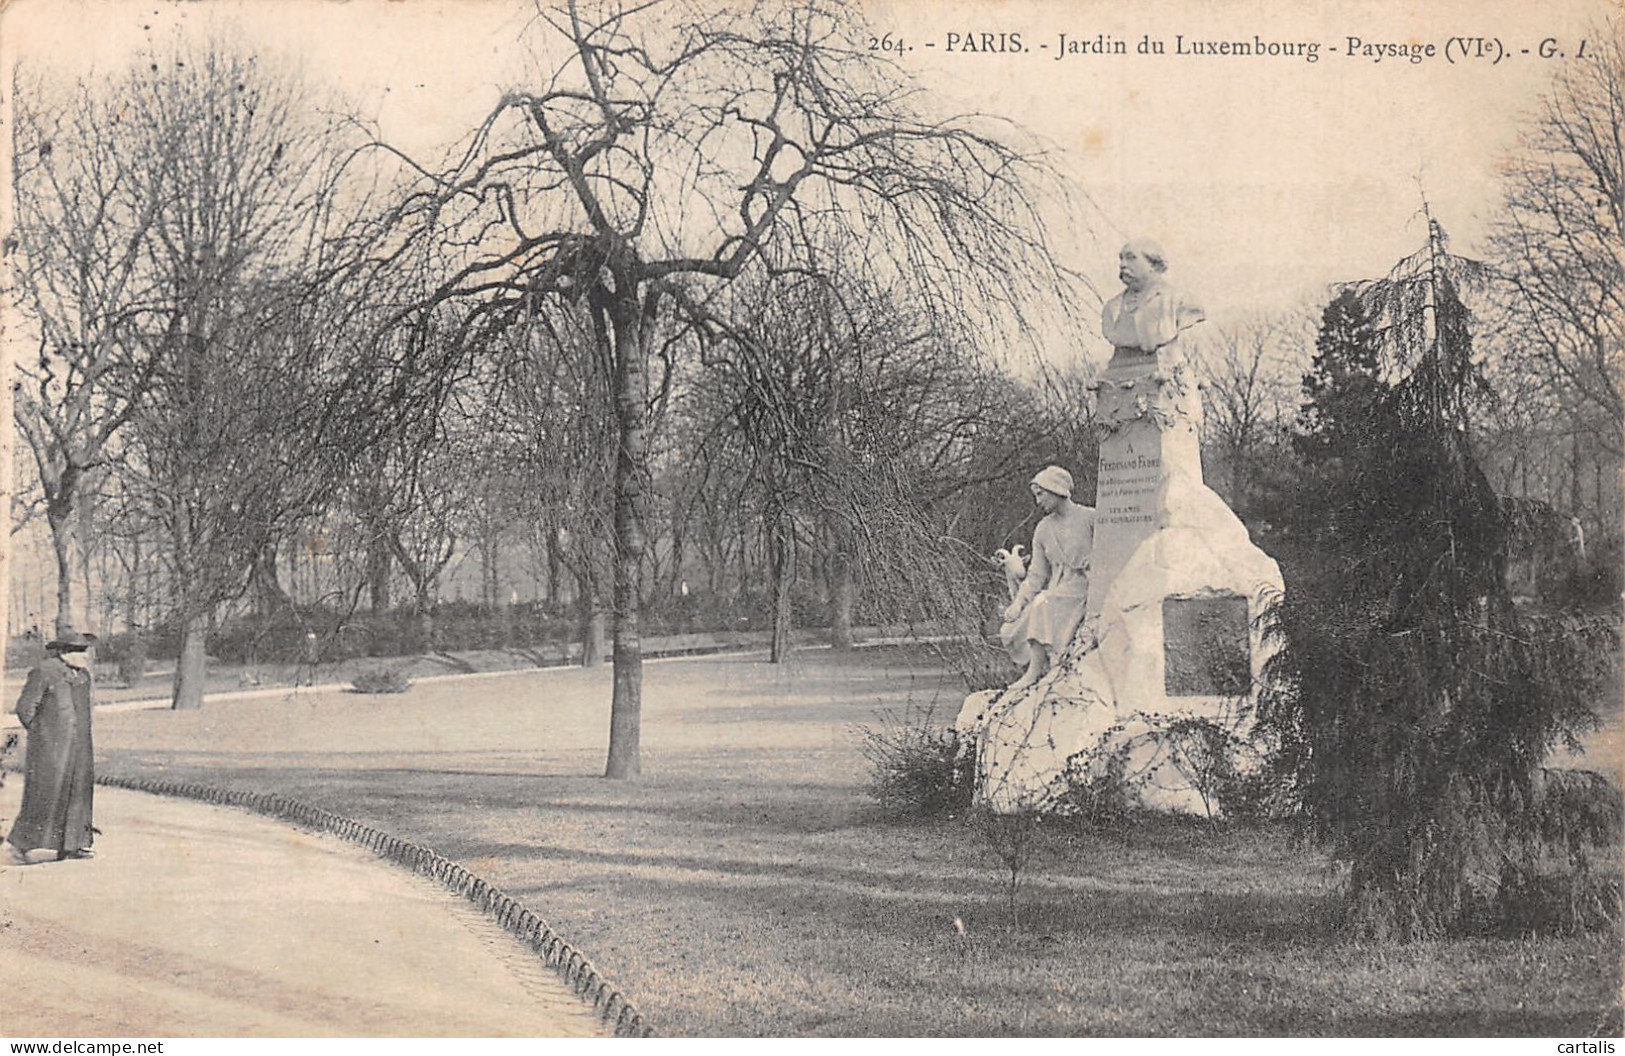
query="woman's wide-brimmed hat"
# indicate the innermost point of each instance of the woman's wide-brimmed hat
(1056, 479)
(71, 642)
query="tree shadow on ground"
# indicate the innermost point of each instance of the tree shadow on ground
(1051, 905)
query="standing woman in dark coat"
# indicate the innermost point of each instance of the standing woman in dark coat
(59, 776)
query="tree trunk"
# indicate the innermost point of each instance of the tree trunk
(784, 577)
(1574, 471)
(1244, 477)
(592, 631)
(490, 580)
(1596, 494)
(62, 544)
(843, 593)
(679, 550)
(589, 575)
(716, 567)
(555, 568)
(87, 532)
(190, 669)
(631, 502)
(61, 499)
(378, 570)
(269, 597)
(127, 591)
(425, 622)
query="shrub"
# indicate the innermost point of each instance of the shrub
(917, 766)
(1013, 837)
(1098, 791)
(1234, 776)
(25, 649)
(381, 680)
(127, 652)
(451, 627)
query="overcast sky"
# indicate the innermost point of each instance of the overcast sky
(1266, 177)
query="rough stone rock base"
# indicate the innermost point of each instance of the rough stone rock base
(1107, 703)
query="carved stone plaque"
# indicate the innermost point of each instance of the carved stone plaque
(1207, 651)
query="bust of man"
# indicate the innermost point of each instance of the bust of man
(1149, 314)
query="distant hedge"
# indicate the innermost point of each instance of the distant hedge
(459, 626)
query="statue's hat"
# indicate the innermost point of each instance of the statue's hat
(1056, 479)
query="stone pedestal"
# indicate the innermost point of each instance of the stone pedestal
(1171, 632)
(1149, 414)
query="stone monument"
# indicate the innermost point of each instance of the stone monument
(1171, 630)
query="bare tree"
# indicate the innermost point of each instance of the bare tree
(418, 521)
(772, 407)
(857, 435)
(258, 383)
(558, 419)
(87, 189)
(1559, 246)
(1250, 378)
(671, 147)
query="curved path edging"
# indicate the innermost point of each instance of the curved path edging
(509, 914)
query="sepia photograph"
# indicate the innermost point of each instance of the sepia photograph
(786, 519)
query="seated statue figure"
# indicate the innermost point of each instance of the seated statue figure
(1046, 611)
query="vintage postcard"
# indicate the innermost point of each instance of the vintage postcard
(798, 518)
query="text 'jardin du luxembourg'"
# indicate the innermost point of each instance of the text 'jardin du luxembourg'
(1370, 48)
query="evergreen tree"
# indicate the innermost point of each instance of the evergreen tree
(1343, 385)
(1422, 706)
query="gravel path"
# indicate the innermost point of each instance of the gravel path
(202, 921)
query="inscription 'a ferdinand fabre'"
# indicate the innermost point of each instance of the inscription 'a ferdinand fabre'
(1207, 651)
(1127, 490)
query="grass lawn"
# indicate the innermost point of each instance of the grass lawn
(748, 886)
